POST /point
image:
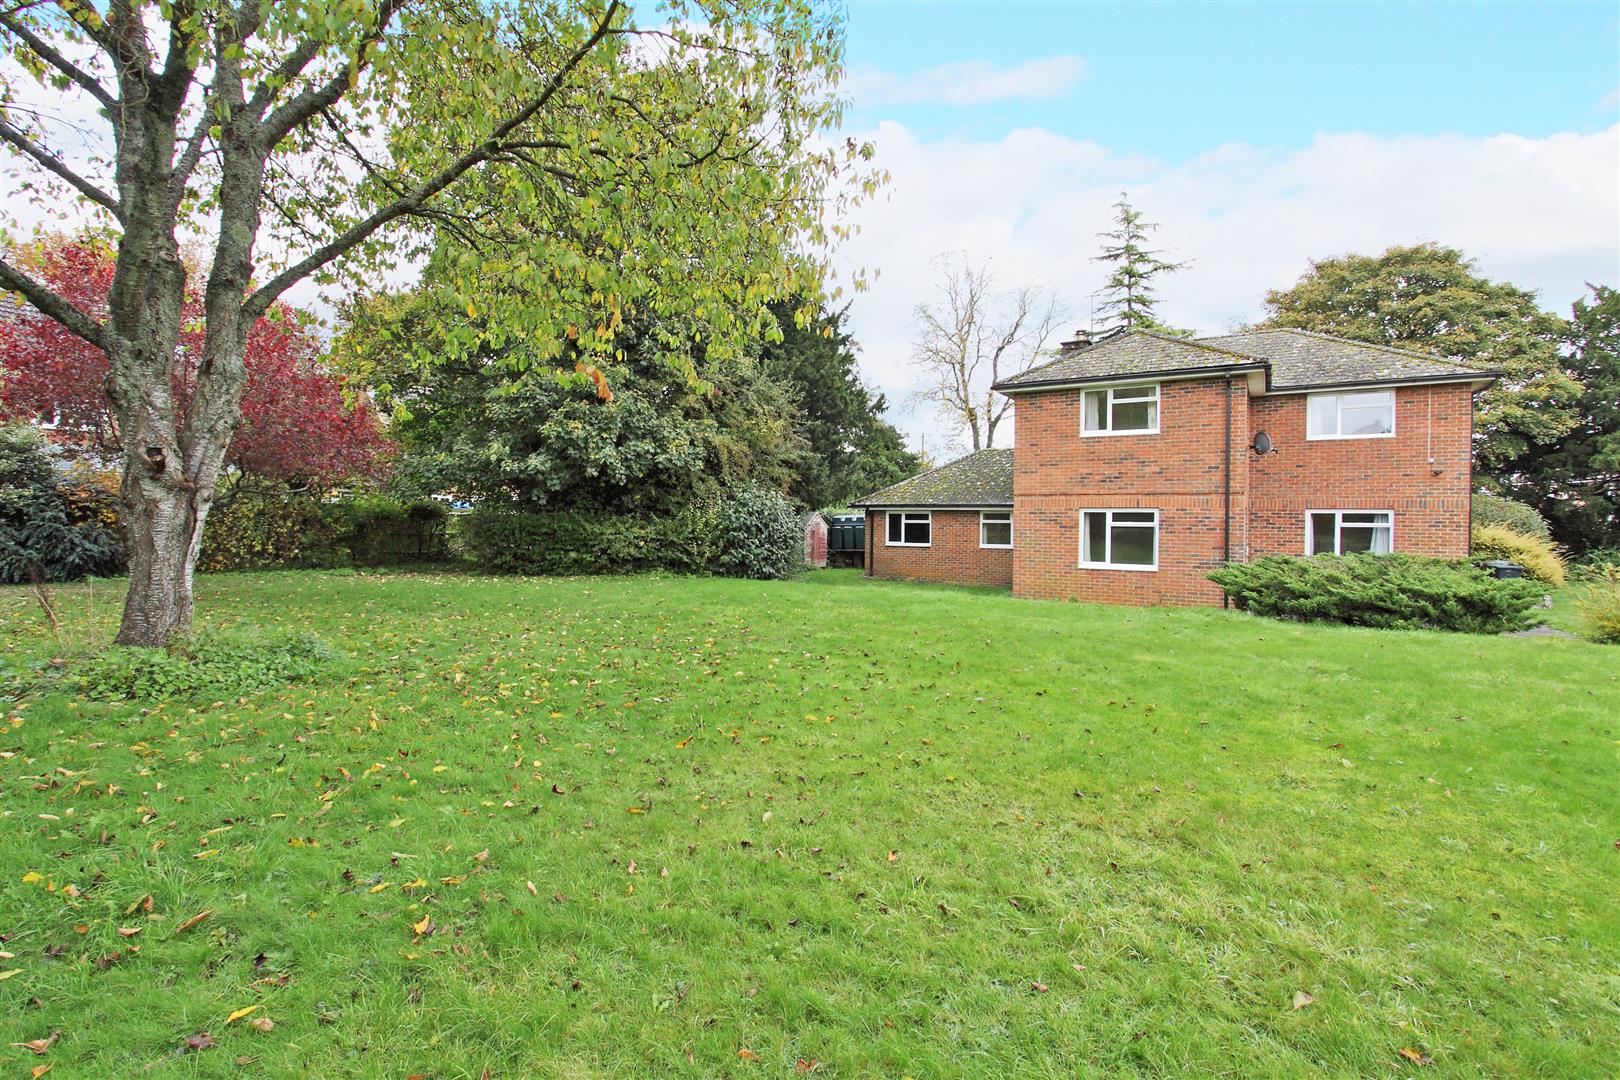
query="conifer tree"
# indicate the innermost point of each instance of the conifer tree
(1128, 301)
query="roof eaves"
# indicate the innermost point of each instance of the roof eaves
(1485, 378)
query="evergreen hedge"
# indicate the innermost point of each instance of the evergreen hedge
(1397, 592)
(285, 531)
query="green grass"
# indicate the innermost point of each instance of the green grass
(872, 818)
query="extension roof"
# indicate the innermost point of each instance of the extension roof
(982, 479)
(1282, 361)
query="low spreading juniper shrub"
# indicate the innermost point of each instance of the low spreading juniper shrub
(1396, 592)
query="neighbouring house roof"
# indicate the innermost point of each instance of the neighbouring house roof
(1288, 360)
(983, 478)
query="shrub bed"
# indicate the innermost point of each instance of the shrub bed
(1598, 604)
(209, 666)
(53, 527)
(1541, 559)
(1521, 517)
(1398, 592)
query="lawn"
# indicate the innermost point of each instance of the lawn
(638, 827)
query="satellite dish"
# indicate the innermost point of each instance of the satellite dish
(1262, 443)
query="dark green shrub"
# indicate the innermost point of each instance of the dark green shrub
(504, 541)
(758, 534)
(207, 667)
(1399, 592)
(1599, 557)
(46, 529)
(1521, 517)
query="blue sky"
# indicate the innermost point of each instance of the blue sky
(1259, 137)
(1173, 79)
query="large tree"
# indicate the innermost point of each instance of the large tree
(1575, 480)
(1434, 299)
(648, 430)
(299, 427)
(974, 335)
(1127, 299)
(677, 170)
(851, 449)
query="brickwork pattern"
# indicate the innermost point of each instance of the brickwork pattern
(954, 556)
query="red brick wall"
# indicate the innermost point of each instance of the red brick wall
(1180, 472)
(954, 556)
(1430, 501)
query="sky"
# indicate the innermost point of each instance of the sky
(1258, 136)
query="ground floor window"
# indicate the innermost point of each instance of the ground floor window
(1120, 539)
(1345, 532)
(910, 529)
(995, 529)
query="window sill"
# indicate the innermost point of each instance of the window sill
(1118, 566)
(995, 547)
(896, 543)
(1347, 438)
(1112, 434)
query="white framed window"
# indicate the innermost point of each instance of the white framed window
(995, 528)
(1345, 532)
(1119, 539)
(1121, 410)
(1366, 414)
(910, 529)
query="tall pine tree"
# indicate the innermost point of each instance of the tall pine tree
(1128, 299)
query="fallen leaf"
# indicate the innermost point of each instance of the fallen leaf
(482, 856)
(532, 890)
(1038, 987)
(1302, 999)
(894, 856)
(38, 1046)
(631, 869)
(4, 975)
(803, 1066)
(40, 1070)
(261, 1023)
(634, 810)
(128, 931)
(747, 1054)
(239, 1013)
(424, 927)
(1416, 1057)
(200, 1041)
(194, 920)
(32, 876)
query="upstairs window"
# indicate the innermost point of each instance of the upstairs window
(1119, 539)
(995, 529)
(910, 529)
(1346, 532)
(1121, 410)
(1369, 414)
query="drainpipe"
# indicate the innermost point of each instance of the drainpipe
(871, 520)
(1226, 521)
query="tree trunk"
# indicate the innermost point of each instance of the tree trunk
(163, 529)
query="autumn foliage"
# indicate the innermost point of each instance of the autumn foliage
(297, 426)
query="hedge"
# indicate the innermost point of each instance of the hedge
(747, 534)
(1489, 509)
(1399, 592)
(280, 531)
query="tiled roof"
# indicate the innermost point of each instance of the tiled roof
(1136, 352)
(1304, 358)
(1292, 359)
(983, 478)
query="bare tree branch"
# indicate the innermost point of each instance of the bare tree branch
(258, 303)
(51, 304)
(56, 166)
(42, 49)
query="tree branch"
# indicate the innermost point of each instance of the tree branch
(53, 164)
(42, 49)
(314, 98)
(258, 303)
(51, 304)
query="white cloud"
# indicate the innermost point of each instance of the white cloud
(969, 82)
(1540, 213)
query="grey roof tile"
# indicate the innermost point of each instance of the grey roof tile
(983, 478)
(1135, 352)
(1305, 358)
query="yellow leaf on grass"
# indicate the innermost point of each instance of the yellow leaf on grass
(8, 974)
(423, 927)
(379, 887)
(634, 810)
(239, 1013)
(747, 1054)
(40, 1070)
(32, 876)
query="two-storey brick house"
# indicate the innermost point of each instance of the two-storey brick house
(1144, 461)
